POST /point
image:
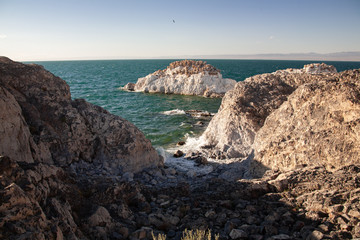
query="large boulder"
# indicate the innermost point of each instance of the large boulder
(244, 109)
(187, 77)
(318, 125)
(64, 131)
(289, 118)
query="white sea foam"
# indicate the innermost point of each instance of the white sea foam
(184, 165)
(188, 166)
(174, 112)
(193, 144)
(184, 124)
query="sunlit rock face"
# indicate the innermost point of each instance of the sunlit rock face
(187, 77)
(318, 125)
(288, 118)
(245, 108)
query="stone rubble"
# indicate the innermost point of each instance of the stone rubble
(42, 202)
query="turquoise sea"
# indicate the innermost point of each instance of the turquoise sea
(98, 82)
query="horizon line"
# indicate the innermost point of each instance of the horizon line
(353, 56)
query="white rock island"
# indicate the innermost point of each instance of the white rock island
(186, 77)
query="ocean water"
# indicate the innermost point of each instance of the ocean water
(161, 117)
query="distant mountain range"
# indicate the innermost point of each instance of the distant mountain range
(337, 56)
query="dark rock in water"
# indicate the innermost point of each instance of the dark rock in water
(201, 160)
(197, 157)
(178, 154)
(199, 113)
(192, 155)
(129, 87)
(180, 143)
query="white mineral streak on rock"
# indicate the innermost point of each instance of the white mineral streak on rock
(313, 68)
(185, 77)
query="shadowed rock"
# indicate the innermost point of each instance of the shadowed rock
(65, 131)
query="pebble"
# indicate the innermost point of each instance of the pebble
(178, 154)
(237, 233)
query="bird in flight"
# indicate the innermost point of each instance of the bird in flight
(173, 21)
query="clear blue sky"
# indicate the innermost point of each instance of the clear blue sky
(76, 29)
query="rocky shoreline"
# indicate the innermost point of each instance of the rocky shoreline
(71, 170)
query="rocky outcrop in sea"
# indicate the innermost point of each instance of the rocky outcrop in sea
(187, 77)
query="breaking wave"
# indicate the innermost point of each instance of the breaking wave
(174, 112)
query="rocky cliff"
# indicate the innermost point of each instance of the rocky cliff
(185, 77)
(318, 125)
(53, 150)
(289, 117)
(41, 123)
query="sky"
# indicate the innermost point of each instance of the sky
(130, 29)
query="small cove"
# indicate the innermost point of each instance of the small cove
(161, 117)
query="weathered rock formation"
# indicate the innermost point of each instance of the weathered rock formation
(53, 151)
(185, 77)
(318, 125)
(40, 123)
(294, 116)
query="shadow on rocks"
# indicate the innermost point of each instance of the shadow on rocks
(40, 201)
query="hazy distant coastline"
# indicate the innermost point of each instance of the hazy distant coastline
(336, 56)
